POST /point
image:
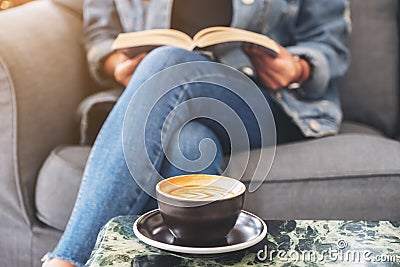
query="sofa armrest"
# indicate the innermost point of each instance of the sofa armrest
(43, 78)
(106, 98)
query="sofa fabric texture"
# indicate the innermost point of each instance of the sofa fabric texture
(369, 91)
(44, 76)
(58, 185)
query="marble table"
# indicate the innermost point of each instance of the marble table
(288, 243)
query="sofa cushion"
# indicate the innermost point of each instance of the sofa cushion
(348, 127)
(370, 90)
(58, 184)
(349, 176)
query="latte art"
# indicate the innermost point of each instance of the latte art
(200, 192)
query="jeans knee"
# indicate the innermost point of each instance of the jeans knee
(189, 154)
(192, 135)
(166, 56)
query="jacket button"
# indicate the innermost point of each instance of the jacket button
(248, 2)
(248, 71)
(315, 126)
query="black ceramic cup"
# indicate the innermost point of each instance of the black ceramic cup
(200, 209)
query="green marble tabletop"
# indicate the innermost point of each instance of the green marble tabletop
(288, 243)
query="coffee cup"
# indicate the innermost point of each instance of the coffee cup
(200, 209)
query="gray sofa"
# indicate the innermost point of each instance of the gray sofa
(43, 78)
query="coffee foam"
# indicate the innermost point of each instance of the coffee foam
(200, 192)
(200, 187)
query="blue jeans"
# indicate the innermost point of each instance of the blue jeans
(108, 190)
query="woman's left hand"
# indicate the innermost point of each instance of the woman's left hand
(277, 72)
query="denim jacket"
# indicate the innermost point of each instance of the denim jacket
(314, 29)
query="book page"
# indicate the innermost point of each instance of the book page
(158, 37)
(209, 30)
(216, 35)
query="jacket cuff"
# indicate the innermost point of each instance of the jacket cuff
(318, 82)
(95, 57)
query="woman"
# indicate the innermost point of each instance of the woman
(298, 84)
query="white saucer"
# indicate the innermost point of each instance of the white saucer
(248, 231)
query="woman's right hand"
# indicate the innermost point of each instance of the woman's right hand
(122, 67)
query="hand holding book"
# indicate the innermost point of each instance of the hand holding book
(279, 71)
(121, 67)
(275, 66)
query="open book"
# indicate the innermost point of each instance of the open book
(135, 42)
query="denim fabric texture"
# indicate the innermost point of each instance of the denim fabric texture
(316, 30)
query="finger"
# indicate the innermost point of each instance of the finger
(268, 81)
(254, 50)
(266, 67)
(260, 52)
(272, 79)
(140, 56)
(126, 80)
(275, 71)
(122, 57)
(124, 70)
(280, 63)
(283, 70)
(279, 80)
(247, 48)
(137, 61)
(127, 67)
(266, 62)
